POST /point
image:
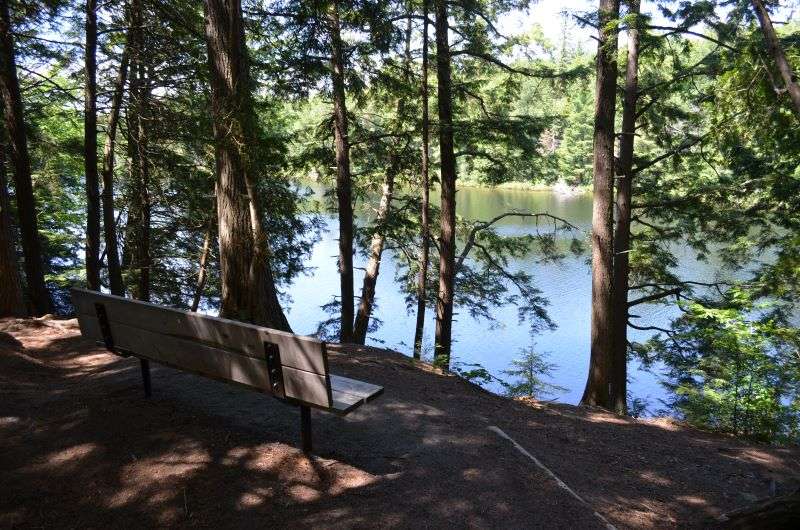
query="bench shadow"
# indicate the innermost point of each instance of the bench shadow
(81, 446)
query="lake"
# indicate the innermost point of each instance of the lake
(567, 285)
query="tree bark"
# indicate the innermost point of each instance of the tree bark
(92, 249)
(20, 160)
(447, 238)
(622, 230)
(202, 274)
(367, 300)
(11, 301)
(373, 264)
(109, 219)
(143, 258)
(425, 207)
(248, 287)
(343, 184)
(137, 241)
(776, 51)
(597, 392)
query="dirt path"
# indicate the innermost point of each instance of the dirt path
(81, 447)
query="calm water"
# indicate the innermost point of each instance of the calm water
(567, 284)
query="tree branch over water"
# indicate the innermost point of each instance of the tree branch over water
(484, 225)
(656, 296)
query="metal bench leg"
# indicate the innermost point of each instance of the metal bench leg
(146, 376)
(305, 427)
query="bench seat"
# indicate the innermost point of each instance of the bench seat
(348, 394)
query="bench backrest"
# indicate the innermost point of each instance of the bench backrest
(210, 346)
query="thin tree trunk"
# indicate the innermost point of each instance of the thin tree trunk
(11, 301)
(202, 274)
(131, 119)
(774, 48)
(343, 183)
(373, 264)
(20, 160)
(597, 390)
(138, 232)
(144, 259)
(425, 210)
(622, 231)
(248, 286)
(447, 238)
(367, 300)
(109, 219)
(90, 150)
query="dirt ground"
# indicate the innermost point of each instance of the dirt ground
(81, 447)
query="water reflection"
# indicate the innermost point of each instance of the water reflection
(567, 285)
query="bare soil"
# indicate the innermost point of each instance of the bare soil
(80, 446)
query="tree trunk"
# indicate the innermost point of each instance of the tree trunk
(143, 257)
(248, 288)
(11, 301)
(424, 214)
(90, 150)
(137, 241)
(776, 51)
(202, 274)
(20, 160)
(373, 264)
(597, 390)
(109, 219)
(367, 300)
(622, 231)
(343, 184)
(447, 238)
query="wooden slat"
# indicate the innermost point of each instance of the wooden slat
(303, 353)
(357, 388)
(345, 403)
(210, 361)
(348, 394)
(222, 349)
(307, 387)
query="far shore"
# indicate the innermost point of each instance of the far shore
(560, 187)
(557, 187)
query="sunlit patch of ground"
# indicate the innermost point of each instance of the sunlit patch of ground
(82, 448)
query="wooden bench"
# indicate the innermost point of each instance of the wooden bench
(292, 368)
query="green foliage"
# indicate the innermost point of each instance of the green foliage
(732, 357)
(55, 130)
(734, 368)
(473, 372)
(530, 372)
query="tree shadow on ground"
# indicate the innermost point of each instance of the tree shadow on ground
(81, 446)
